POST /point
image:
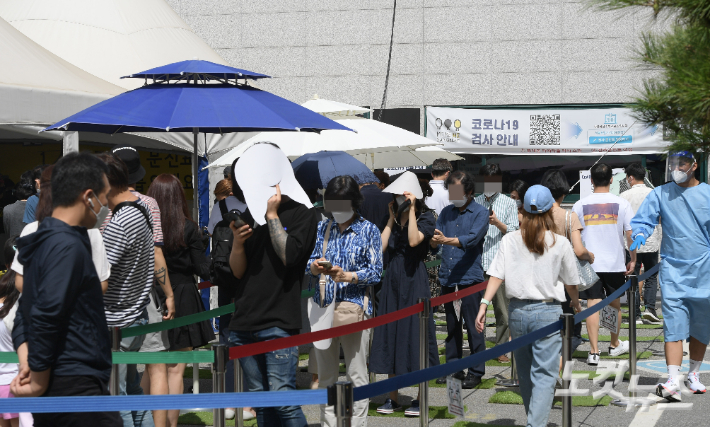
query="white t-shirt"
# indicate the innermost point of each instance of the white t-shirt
(532, 276)
(216, 214)
(8, 371)
(98, 252)
(605, 217)
(440, 198)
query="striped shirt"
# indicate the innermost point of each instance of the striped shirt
(507, 212)
(154, 211)
(131, 253)
(358, 250)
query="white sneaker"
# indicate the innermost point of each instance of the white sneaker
(670, 390)
(593, 359)
(694, 383)
(622, 348)
(229, 414)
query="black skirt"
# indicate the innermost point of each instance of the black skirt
(188, 301)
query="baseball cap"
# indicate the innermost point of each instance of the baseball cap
(538, 200)
(132, 159)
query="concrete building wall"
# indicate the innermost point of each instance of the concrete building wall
(446, 52)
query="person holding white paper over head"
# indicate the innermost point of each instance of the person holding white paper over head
(269, 258)
(344, 266)
(395, 346)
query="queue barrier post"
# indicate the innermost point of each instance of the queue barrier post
(424, 361)
(195, 377)
(115, 346)
(513, 380)
(632, 297)
(238, 388)
(219, 379)
(568, 332)
(340, 396)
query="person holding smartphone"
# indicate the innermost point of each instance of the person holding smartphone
(352, 265)
(395, 346)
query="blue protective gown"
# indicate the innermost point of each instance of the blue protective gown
(684, 273)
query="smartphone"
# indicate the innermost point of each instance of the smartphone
(490, 211)
(403, 206)
(234, 215)
(326, 264)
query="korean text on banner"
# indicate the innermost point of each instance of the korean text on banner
(590, 131)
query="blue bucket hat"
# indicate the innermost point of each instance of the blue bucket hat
(538, 200)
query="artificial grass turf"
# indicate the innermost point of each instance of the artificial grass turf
(435, 412)
(626, 326)
(472, 424)
(607, 338)
(492, 362)
(512, 398)
(205, 419)
(605, 355)
(205, 374)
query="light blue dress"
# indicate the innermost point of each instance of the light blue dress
(684, 273)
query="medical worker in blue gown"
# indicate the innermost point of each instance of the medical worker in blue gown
(684, 206)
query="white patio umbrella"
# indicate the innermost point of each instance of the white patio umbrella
(423, 156)
(372, 140)
(334, 109)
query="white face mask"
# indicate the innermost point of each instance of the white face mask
(679, 176)
(519, 203)
(460, 203)
(103, 212)
(342, 217)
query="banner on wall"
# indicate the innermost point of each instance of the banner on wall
(591, 131)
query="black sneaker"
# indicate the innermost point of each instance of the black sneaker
(389, 407)
(471, 381)
(460, 375)
(413, 411)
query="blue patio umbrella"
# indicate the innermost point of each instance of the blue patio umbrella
(196, 96)
(315, 170)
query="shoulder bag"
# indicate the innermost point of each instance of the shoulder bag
(345, 312)
(587, 275)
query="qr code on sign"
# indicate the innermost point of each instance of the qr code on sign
(545, 129)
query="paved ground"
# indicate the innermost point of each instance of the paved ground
(651, 370)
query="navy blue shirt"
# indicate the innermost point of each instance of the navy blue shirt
(462, 266)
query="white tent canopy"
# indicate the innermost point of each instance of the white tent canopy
(38, 87)
(109, 38)
(334, 109)
(98, 41)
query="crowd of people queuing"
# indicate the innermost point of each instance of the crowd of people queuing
(88, 252)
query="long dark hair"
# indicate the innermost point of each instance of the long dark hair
(44, 206)
(7, 281)
(167, 190)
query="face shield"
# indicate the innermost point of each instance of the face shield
(680, 165)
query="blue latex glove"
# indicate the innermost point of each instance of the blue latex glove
(638, 242)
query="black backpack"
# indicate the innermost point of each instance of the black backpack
(220, 271)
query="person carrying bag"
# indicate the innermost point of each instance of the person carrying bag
(346, 260)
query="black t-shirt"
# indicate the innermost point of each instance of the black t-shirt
(269, 294)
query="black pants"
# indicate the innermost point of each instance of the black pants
(650, 285)
(567, 308)
(454, 328)
(78, 385)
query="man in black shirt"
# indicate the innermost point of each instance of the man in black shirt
(60, 332)
(269, 261)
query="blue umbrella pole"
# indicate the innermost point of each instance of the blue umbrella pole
(195, 180)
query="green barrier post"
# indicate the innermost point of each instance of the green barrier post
(116, 347)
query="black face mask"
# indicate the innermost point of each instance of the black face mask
(401, 208)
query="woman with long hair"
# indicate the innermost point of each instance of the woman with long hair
(185, 257)
(405, 239)
(534, 262)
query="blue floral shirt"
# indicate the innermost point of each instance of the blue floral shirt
(358, 250)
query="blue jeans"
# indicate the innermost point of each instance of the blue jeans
(130, 381)
(538, 363)
(273, 371)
